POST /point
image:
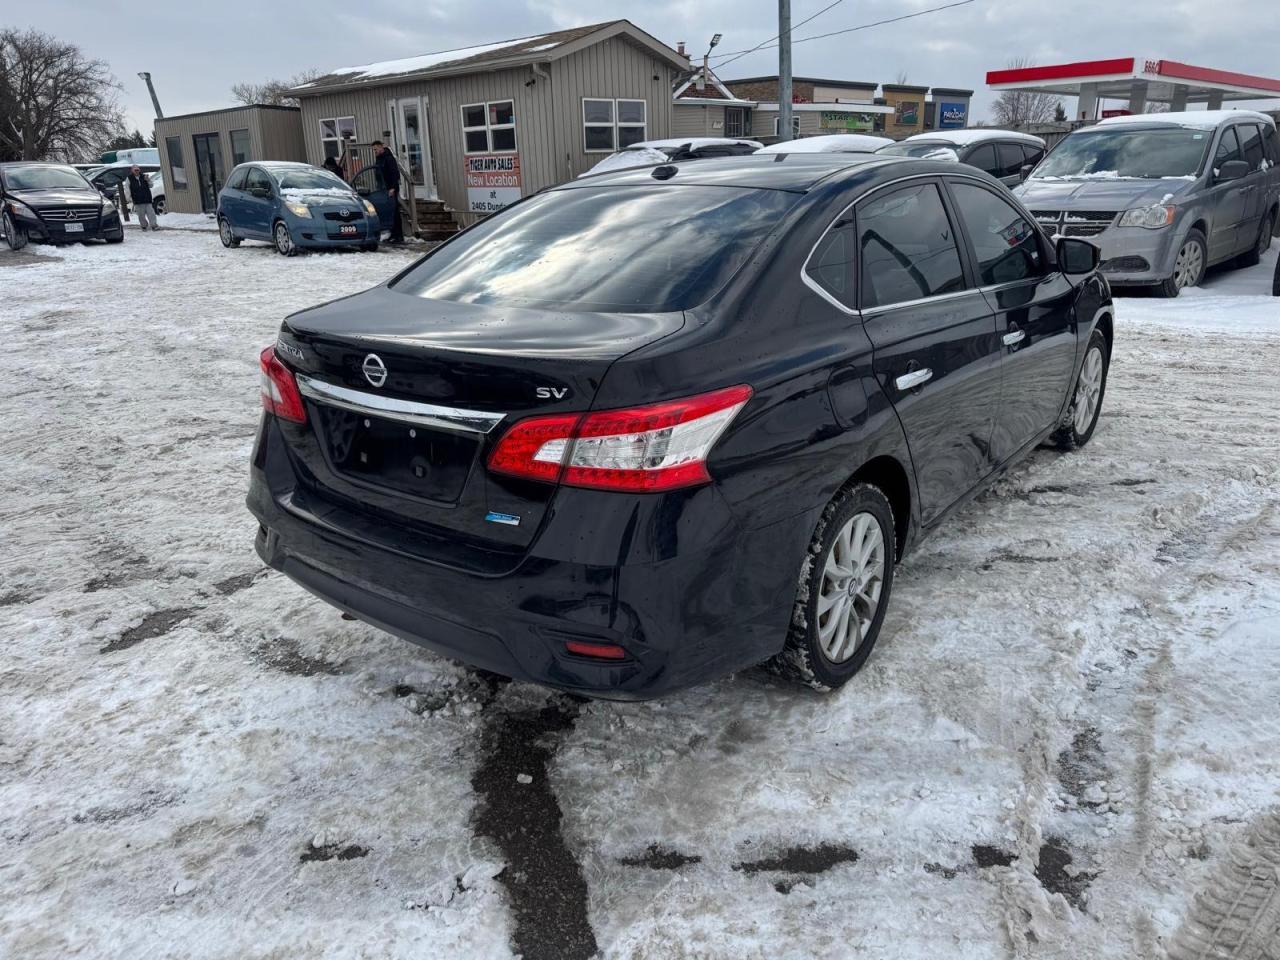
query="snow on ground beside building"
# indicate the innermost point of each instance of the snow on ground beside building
(1067, 726)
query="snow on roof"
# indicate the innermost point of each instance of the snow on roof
(963, 138)
(639, 155)
(829, 143)
(1202, 119)
(694, 143)
(388, 68)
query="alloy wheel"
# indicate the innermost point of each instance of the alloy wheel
(1189, 265)
(284, 241)
(1088, 390)
(1264, 235)
(852, 578)
(224, 231)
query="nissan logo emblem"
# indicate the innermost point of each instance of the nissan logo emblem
(375, 371)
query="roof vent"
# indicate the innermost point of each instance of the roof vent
(664, 172)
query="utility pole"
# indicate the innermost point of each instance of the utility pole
(155, 101)
(784, 69)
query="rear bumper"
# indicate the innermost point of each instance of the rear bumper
(697, 614)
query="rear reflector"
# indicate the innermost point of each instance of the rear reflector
(660, 446)
(600, 651)
(280, 394)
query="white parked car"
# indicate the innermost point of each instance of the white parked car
(830, 143)
(649, 152)
(157, 192)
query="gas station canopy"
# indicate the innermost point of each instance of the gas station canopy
(1137, 79)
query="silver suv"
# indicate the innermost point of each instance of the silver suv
(1164, 195)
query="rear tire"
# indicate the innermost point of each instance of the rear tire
(1086, 402)
(1262, 244)
(228, 238)
(1188, 267)
(158, 206)
(369, 247)
(284, 239)
(845, 583)
(15, 235)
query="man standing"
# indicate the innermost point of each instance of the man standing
(139, 189)
(390, 170)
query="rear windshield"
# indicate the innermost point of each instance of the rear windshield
(308, 180)
(633, 249)
(1119, 153)
(39, 177)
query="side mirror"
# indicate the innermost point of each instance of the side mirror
(1076, 256)
(1026, 170)
(1232, 170)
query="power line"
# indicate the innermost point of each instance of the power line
(735, 54)
(738, 54)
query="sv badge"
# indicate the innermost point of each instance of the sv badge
(551, 393)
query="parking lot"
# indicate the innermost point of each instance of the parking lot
(1064, 747)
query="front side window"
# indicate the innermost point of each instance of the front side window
(237, 179)
(1011, 158)
(984, 158)
(609, 125)
(489, 127)
(1004, 241)
(258, 181)
(240, 146)
(831, 264)
(1119, 153)
(638, 249)
(333, 132)
(178, 169)
(1033, 154)
(908, 248)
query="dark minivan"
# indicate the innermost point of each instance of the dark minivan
(649, 428)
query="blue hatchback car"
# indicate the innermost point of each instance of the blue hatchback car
(294, 206)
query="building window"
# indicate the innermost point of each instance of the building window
(795, 126)
(177, 169)
(239, 147)
(609, 125)
(333, 132)
(489, 127)
(737, 122)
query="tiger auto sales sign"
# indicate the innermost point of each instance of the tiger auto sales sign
(493, 181)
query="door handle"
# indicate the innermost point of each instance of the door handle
(909, 381)
(1014, 337)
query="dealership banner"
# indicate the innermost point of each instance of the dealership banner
(493, 181)
(953, 116)
(906, 113)
(847, 122)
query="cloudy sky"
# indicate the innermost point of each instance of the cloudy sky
(195, 51)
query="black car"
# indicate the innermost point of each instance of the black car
(650, 428)
(1006, 155)
(53, 203)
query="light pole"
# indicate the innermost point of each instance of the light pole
(784, 69)
(706, 66)
(155, 101)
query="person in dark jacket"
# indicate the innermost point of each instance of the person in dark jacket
(331, 165)
(139, 190)
(390, 170)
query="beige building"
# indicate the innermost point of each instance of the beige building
(480, 127)
(198, 150)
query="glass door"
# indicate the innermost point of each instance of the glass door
(413, 147)
(209, 169)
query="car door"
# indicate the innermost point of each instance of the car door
(1034, 310)
(259, 203)
(937, 354)
(368, 183)
(1227, 200)
(1254, 184)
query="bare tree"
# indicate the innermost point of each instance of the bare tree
(1014, 109)
(54, 101)
(273, 91)
(901, 78)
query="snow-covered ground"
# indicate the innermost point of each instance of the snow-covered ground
(1068, 731)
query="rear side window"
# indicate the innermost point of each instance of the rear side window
(831, 265)
(1011, 159)
(1251, 144)
(1271, 144)
(908, 248)
(1004, 241)
(984, 158)
(1228, 149)
(640, 249)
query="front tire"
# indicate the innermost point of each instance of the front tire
(15, 235)
(1262, 244)
(1086, 404)
(1188, 266)
(284, 240)
(845, 583)
(228, 238)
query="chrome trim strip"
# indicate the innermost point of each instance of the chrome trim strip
(940, 298)
(392, 408)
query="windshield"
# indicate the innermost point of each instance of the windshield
(43, 177)
(636, 249)
(308, 180)
(1175, 152)
(933, 149)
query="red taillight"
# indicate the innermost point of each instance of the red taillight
(279, 390)
(599, 651)
(661, 446)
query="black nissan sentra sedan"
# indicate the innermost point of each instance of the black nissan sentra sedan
(53, 203)
(648, 428)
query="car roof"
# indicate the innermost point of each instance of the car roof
(1196, 119)
(695, 143)
(798, 172)
(964, 138)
